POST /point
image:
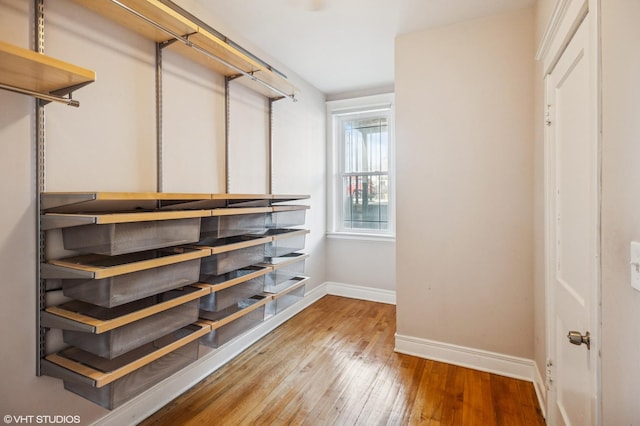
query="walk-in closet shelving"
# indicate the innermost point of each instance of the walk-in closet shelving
(132, 286)
(137, 305)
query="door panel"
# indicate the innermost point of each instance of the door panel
(573, 221)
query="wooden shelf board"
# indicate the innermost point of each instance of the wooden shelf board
(238, 314)
(73, 202)
(101, 378)
(26, 69)
(280, 262)
(230, 211)
(106, 195)
(236, 245)
(109, 218)
(101, 326)
(89, 263)
(263, 270)
(302, 280)
(153, 9)
(183, 26)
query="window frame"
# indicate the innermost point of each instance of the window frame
(338, 112)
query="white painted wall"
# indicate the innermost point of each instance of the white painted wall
(465, 182)
(193, 157)
(365, 263)
(109, 144)
(620, 210)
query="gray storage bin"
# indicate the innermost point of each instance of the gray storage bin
(118, 341)
(233, 225)
(286, 218)
(212, 306)
(121, 289)
(235, 328)
(285, 241)
(120, 238)
(292, 265)
(133, 384)
(227, 261)
(286, 300)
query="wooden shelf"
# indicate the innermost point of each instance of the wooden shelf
(76, 202)
(70, 316)
(256, 271)
(101, 266)
(224, 245)
(236, 312)
(78, 362)
(147, 17)
(26, 70)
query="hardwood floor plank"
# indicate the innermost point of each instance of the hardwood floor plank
(478, 404)
(334, 364)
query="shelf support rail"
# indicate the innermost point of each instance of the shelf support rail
(45, 97)
(40, 188)
(189, 43)
(159, 123)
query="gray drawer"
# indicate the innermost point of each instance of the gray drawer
(120, 238)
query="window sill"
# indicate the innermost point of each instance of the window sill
(387, 238)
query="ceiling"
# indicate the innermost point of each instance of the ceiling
(342, 46)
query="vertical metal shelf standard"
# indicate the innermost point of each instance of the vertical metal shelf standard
(40, 188)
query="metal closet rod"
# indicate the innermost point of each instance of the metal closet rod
(224, 38)
(43, 96)
(188, 43)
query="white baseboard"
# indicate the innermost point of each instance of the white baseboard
(360, 292)
(491, 362)
(541, 390)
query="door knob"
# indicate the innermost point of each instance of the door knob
(578, 339)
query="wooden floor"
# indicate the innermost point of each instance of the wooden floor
(334, 364)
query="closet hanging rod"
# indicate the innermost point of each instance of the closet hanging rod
(189, 43)
(43, 96)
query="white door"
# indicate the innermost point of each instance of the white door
(572, 234)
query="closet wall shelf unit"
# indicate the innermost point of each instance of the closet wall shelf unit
(139, 285)
(43, 77)
(165, 22)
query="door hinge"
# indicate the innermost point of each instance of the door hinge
(547, 115)
(549, 374)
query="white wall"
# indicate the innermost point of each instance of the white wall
(109, 144)
(193, 157)
(365, 263)
(465, 181)
(620, 210)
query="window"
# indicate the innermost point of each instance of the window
(362, 168)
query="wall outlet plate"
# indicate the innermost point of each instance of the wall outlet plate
(635, 265)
